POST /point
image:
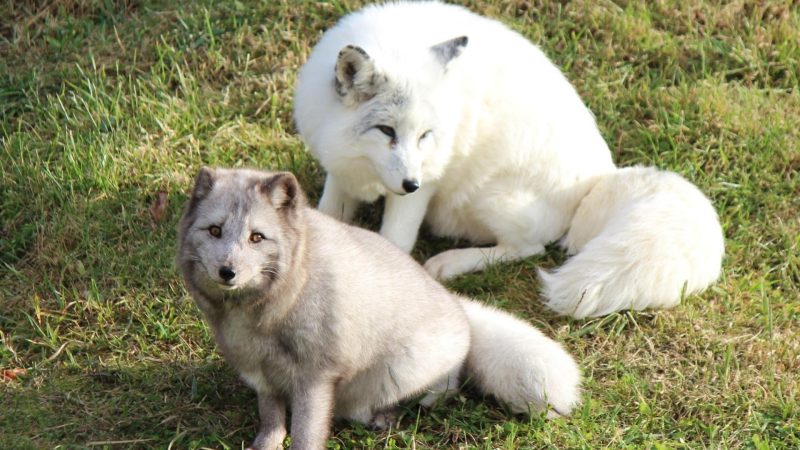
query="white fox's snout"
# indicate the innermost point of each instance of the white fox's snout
(403, 186)
(402, 173)
(410, 185)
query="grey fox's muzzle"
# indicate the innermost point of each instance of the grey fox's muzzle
(227, 273)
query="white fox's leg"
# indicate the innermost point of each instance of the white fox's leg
(403, 215)
(335, 202)
(522, 223)
(463, 260)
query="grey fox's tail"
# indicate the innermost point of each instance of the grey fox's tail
(513, 361)
(643, 238)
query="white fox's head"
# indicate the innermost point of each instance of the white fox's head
(405, 111)
(240, 232)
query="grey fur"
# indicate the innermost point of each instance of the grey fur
(448, 50)
(357, 80)
(327, 319)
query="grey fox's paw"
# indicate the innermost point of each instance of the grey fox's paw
(384, 420)
(268, 441)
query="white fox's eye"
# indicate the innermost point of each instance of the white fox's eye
(387, 130)
(425, 134)
(215, 231)
(256, 237)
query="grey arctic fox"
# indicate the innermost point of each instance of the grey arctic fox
(330, 320)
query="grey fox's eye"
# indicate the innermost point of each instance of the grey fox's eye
(425, 134)
(215, 231)
(387, 130)
(256, 237)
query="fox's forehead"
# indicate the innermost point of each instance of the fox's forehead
(238, 204)
(398, 105)
(386, 106)
(415, 62)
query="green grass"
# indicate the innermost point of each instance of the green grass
(105, 104)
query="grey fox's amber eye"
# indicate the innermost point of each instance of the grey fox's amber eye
(256, 238)
(387, 130)
(215, 231)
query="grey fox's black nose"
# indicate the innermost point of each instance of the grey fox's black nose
(226, 273)
(410, 185)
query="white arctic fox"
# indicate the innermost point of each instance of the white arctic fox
(332, 320)
(463, 123)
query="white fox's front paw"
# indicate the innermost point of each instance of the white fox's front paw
(450, 264)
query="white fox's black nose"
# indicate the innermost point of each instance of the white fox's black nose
(410, 185)
(226, 273)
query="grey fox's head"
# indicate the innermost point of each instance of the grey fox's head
(405, 106)
(240, 232)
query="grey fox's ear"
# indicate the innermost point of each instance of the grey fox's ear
(448, 50)
(357, 79)
(282, 190)
(203, 183)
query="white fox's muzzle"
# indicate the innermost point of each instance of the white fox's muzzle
(410, 185)
(402, 173)
(403, 186)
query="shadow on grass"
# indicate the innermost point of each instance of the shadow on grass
(187, 404)
(198, 405)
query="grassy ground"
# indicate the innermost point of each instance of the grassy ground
(108, 106)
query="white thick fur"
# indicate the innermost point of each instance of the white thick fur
(642, 237)
(512, 148)
(527, 371)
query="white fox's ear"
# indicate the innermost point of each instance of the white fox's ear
(203, 183)
(282, 190)
(357, 80)
(448, 50)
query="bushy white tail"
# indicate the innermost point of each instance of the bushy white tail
(520, 366)
(643, 238)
